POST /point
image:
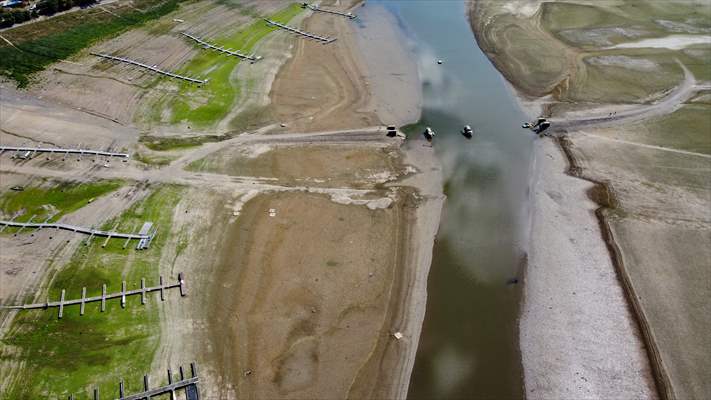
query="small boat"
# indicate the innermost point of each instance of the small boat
(429, 134)
(468, 132)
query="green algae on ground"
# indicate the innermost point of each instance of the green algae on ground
(77, 353)
(56, 200)
(219, 94)
(58, 38)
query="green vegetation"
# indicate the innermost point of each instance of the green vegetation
(688, 128)
(156, 161)
(202, 106)
(64, 37)
(76, 353)
(56, 200)
(173, 143)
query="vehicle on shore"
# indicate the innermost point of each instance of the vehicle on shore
(429, 134)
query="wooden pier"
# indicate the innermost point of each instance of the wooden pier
(324, 39)
(188, 385)
(150, 67)
(144, 237)
(319, 9)
(180, 284)
(231, 52)
(63, 150)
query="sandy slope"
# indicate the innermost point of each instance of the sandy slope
(578, 337)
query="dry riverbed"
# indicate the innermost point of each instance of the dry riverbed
(642, 145)
(302, 253)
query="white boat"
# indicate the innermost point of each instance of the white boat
(468, 132)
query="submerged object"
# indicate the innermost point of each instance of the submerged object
(429, 134)
(467, 131)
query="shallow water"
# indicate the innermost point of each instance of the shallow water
(469, 343)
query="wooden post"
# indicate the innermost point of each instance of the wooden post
(121, 389)
(193, 369)
(123, 294)
(170, 377)
(162, 288)
(182, 375)
(145, 383)
(88, 240)
(103, 298)
(61, 305)
(143, 291)
(83, 297)
(96, 394)
(109, 236)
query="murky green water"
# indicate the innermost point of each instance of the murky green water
(469, 344)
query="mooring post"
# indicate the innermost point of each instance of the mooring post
(83, 300)
(181, 281)
(61, 304)
(123, 294)
(103, 297)
(162, 288)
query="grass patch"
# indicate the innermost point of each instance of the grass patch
(62, 198)
(164, 144)
(202, 106)
(63, 37)
(156, 161)
(75, 354)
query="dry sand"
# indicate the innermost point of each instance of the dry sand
(578, 336)
(330, 93)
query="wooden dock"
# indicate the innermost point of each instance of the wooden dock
(144, 237)
(230, 52)
(309, 35)
(34, 150)
(151, 68)
(188, 385)
(319, 9)
(123, 294)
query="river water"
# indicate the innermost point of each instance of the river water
(469, 343)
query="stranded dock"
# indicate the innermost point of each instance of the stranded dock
(188, 385)
(323, 39)
(319, 9)
(207, 45)
(29, 152)
(144, 237)
(104, 296)
(150, 67)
